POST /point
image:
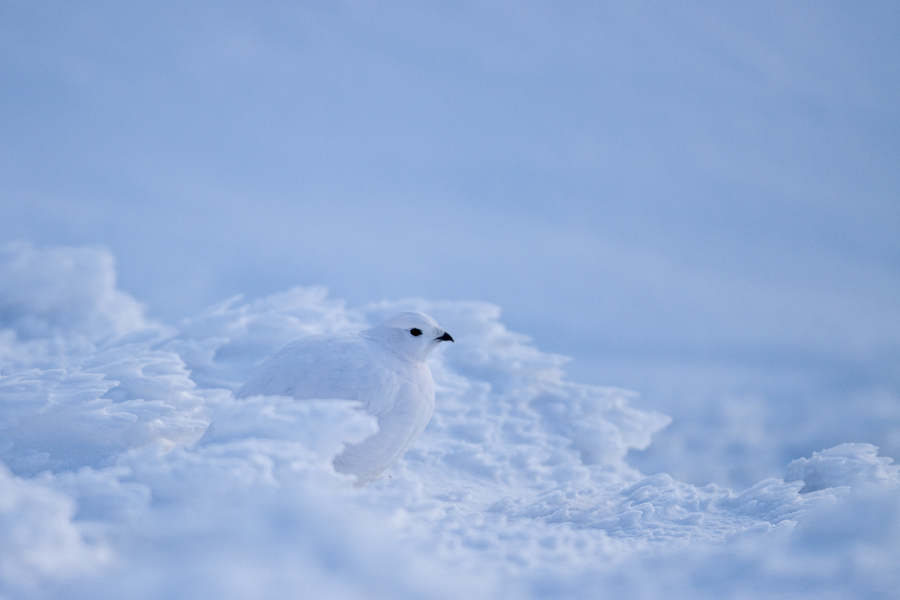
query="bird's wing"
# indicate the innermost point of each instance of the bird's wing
(323, 366)
(300, 368)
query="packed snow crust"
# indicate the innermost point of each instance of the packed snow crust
(129, 469)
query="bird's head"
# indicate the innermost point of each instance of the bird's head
(412, 333)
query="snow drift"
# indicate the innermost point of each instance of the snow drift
(131, 471)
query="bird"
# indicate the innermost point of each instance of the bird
(383, 367)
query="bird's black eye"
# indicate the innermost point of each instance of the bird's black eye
(416, 331)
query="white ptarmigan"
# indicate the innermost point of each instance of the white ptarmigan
(383, 367)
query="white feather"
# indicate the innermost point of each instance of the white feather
(382, 367)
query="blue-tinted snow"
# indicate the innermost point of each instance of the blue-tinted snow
(131, 471)
(697, 201)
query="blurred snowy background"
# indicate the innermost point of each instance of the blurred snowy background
(698, 202)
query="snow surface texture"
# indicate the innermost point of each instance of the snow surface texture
(132, 471)
(382, 367)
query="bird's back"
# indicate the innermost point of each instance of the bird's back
(339, 366)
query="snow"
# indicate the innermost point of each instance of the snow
(695, 201)
(130, 470)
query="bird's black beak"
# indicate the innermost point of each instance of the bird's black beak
(446, 337)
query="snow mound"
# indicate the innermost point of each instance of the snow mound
(132, 471)
(60, 303)
(843, 465)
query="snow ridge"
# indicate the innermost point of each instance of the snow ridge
(131, 470)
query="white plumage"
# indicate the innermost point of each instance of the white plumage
(383, 367)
